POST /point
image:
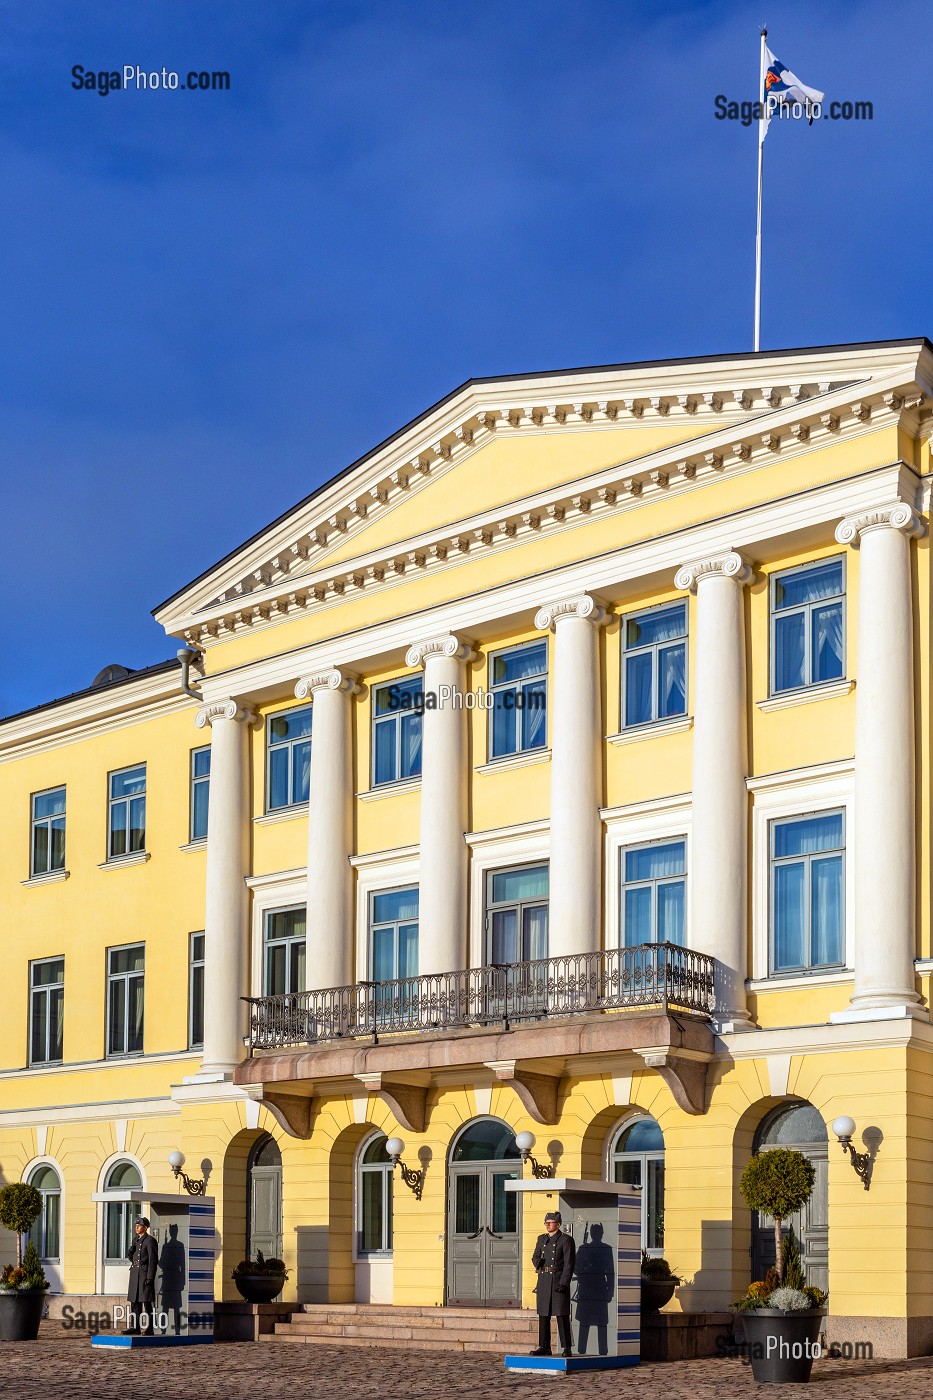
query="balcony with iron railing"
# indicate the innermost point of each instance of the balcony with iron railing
(652, 975)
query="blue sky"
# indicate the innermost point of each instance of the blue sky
(214, 302)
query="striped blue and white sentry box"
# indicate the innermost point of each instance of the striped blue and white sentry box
(604, 1219)
(183, 1229)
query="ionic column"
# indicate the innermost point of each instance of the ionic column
(719, 844)
(226, 907)
(574, 923)
(329, 928)
(442, 942)
(885, 918)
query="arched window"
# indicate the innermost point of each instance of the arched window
(637, 1157)
(120, 1216)
(794, 1125)
(46, 1232)
(374, 1197)
(485, 1140)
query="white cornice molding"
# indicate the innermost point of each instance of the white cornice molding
(286, 587)
(103, 1112)
(90, 715)
(603, 574)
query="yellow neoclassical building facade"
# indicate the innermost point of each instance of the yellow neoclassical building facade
(560, 767)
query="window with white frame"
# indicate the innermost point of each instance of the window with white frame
(195, 991)
(46, 1011)
(807, 858)
(654, 665)
(654, 893)
(808, 625)
(398, 708)
(127, 812)
(517, 915)
(374, 1197)
(46, 1232)
(120, 1216)
(288, 758)
(284, 943)
(48, 832)
(125, 999)
(636, 1157)
(518, 684)
(200, 792)
(393, 934)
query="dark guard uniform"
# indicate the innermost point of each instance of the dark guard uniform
(554, 1258)
(144, 1261)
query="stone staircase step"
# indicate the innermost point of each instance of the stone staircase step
(419, 1328)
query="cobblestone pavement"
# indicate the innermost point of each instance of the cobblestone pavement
(62, 1369)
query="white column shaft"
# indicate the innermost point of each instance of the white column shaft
(329, 959)
(574, 917)
(719, 847)
(226, 906)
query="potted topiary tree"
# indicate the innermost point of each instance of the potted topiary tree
(23, 1285)
(782, 1317)
(260, 1280)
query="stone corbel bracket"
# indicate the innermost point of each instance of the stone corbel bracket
(293, 1112)
(538, 1092)
(683, 1073)
(407, 1101)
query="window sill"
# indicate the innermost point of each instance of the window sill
(51, 877)
(199, 845)
(514, 760)
(809, 693)
(282, 814)
(373, 794)
(117, 862)
(834, 977)
(652, 731)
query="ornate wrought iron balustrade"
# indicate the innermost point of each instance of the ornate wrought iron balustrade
(653, 974)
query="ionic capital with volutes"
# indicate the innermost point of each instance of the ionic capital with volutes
(728, 564)
(222, 709)
(331, 679)
(896, 515)
(577, 605)
(455, 648)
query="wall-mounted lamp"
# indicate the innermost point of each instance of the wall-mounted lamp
(844, 1128)
(525, 1142)
(412, 1179)
(176, 1161)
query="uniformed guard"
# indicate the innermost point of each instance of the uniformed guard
(144, 1261)
(554, 1259)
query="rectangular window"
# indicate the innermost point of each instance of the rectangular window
(517, 915)
(808, 626)
(654, 665)
(200, 792)
(127, 818)
(48, 831)
(284, 951)
(518, 682)
(397, 711)
(196, 991)
(393, 935)
(125, 978)
(288, 758)
(46, 1011)
(807, 874)
(654, 893)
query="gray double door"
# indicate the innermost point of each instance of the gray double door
(483, 1235)
(265, 1211)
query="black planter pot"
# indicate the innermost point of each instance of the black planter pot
(259, 1288)
(20, 1315)
(655, 1292)
(781, 1344)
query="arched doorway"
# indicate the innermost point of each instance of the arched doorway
(373, 1236)
(46, 1232)
(636, 1156)
(483, 1219)
(119, 1223)
(264, 1199)
(800, 1126)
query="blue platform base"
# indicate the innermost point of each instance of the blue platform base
(567, 1365)
(116, 1342)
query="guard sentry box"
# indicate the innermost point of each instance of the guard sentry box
(183, 1229)
(604, 1219)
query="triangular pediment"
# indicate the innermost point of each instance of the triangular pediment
(512, 454)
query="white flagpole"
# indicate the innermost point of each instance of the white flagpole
(761, 141)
